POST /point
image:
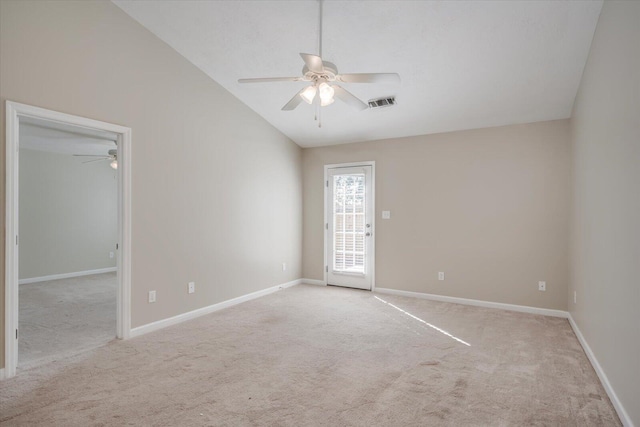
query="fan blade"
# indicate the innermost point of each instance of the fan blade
(314, 62)
(348, 98)
(369, 78)
(293, 102)
(97, 160)
(270, 79)
(90, 155)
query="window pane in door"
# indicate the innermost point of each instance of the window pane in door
(349, 223)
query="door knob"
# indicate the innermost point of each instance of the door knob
(368, 234)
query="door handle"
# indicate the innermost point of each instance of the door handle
(368, 234)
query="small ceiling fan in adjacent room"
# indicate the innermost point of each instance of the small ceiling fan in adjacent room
(323, 76)
(112, 155)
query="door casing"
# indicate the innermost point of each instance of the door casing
(372, 199)
(14, 112)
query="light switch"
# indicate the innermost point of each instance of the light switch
(386, 214)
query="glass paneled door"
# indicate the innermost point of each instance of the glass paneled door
(349, 227)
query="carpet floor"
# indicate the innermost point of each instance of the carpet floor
(66, 316)
(313, 356)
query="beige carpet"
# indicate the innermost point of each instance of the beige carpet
(65, 316)
(313, 355)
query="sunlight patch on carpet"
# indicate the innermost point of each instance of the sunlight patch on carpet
(442, 331)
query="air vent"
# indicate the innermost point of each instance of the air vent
(382, 102)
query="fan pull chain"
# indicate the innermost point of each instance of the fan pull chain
(318, 112)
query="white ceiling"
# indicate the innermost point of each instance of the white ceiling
(463, 64)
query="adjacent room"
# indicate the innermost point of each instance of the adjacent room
(320, 213)
(68, 234)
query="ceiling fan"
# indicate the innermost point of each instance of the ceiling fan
(112, 155)
(323, 76)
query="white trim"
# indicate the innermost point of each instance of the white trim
(160, 324)
(67, 275)
(11, 228)
(477, 303)
(313, 282)
(14, 112)
(624, 417)
(123, 254)
(371, 163)
(1, 373)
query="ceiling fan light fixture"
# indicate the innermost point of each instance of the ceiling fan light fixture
(308, 94)
(326, 94)
(324, 103)
(319, 73)
(114, 164)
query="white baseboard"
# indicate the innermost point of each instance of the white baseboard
(67, 275)
(624, 417)
(475, 302)
(314, 282)
(160, 324)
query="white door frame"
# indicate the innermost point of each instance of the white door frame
(14, 112)
(373, 218)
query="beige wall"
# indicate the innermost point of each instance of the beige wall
(605, 268)
(216, 189)
(68, 214)
(217, 192)
(488, 207)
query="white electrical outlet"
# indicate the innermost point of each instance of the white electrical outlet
(542, 286)
(191, 287)
(110, 254)
(386, 214)
(575, 297)
(441, 275)
(284, 266)
(152, 296)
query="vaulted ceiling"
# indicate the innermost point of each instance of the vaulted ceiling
(463, 64)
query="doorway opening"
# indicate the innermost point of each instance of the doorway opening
(349, 225)
(67, 243)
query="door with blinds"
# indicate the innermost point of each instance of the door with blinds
(349, 226)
